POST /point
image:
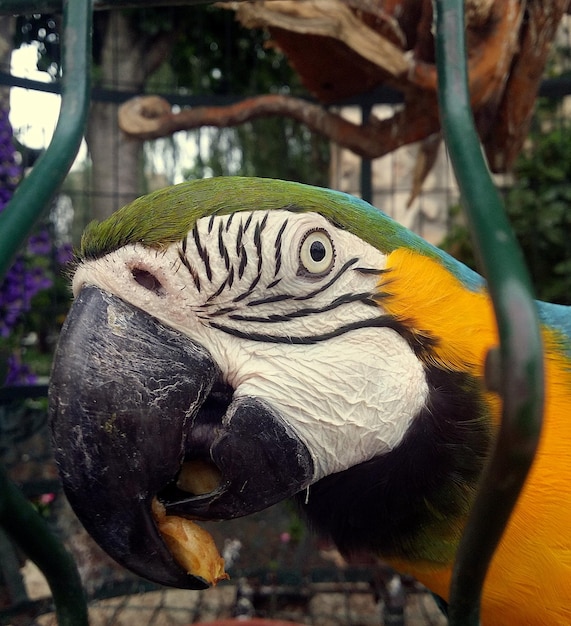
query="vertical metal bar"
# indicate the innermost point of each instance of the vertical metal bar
(18, 518)
(516, 368)
(366, 173)
(36, 191)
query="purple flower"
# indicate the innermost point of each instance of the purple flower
(64, 254)
(40, 244)
(10, 168)
(18, 373)
(22, 281)
(30, 272)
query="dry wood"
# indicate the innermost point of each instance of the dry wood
(425, 159)
(505, 140)
(150, 117)
(344, 48)
(326, 18)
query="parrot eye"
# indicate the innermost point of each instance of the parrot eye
(316, 253)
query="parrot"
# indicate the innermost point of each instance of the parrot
(300, 344)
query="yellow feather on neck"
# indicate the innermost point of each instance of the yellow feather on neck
(430, 300)
(529, 581)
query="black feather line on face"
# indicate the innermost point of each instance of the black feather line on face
(243, 261)
(220, 289)
(202, 253)
(211, 223)
(184, 260)
(420, 345)
(222, 248)
(344, 268)
(365, 298)
(410, 503)
(229, 221)
(299, 340)
(239, 238)
(278, 249)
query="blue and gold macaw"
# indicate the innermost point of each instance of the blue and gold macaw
(297, 342)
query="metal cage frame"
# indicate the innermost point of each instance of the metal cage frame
(514, 368)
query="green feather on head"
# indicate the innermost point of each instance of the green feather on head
(166, 216)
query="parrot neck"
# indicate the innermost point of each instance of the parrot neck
(410, 504)
(456, 324)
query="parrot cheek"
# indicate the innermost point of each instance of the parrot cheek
(135, 408)
(261, 460)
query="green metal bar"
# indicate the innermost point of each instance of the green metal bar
(29, 531)
(36, 191)
(10, 570)
(17, 516)
(516, 368)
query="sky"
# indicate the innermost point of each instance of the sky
(34, 112)
(34, 115)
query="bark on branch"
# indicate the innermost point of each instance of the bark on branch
(325, 18)
(151, 117)
(344, 48)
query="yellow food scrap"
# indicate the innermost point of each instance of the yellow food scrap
(199, 477)
(191, 546)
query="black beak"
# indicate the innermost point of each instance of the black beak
(134, 405)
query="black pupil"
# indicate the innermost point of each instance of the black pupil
(317, 251)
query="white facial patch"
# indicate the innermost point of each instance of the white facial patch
(349, 399)
(285, 303)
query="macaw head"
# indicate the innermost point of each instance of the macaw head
(283, 341)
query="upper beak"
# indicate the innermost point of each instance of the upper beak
(132, 403)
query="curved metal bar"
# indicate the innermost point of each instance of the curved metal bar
(29, 531)
(35, 192)
(17, 516)
(516, 367)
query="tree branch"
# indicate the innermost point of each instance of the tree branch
(150, 117)
(505, 140)
(345, 47)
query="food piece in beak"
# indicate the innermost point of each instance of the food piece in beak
(191, 546)
(199, 477)
(124, 392)
(138, 411)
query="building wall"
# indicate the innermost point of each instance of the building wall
(393, 180)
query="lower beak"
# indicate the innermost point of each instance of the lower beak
(132, 403)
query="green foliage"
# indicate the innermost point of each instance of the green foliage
(539, 208)
(213, 54)
(271, 148)
(44, 295)
(457, 241)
